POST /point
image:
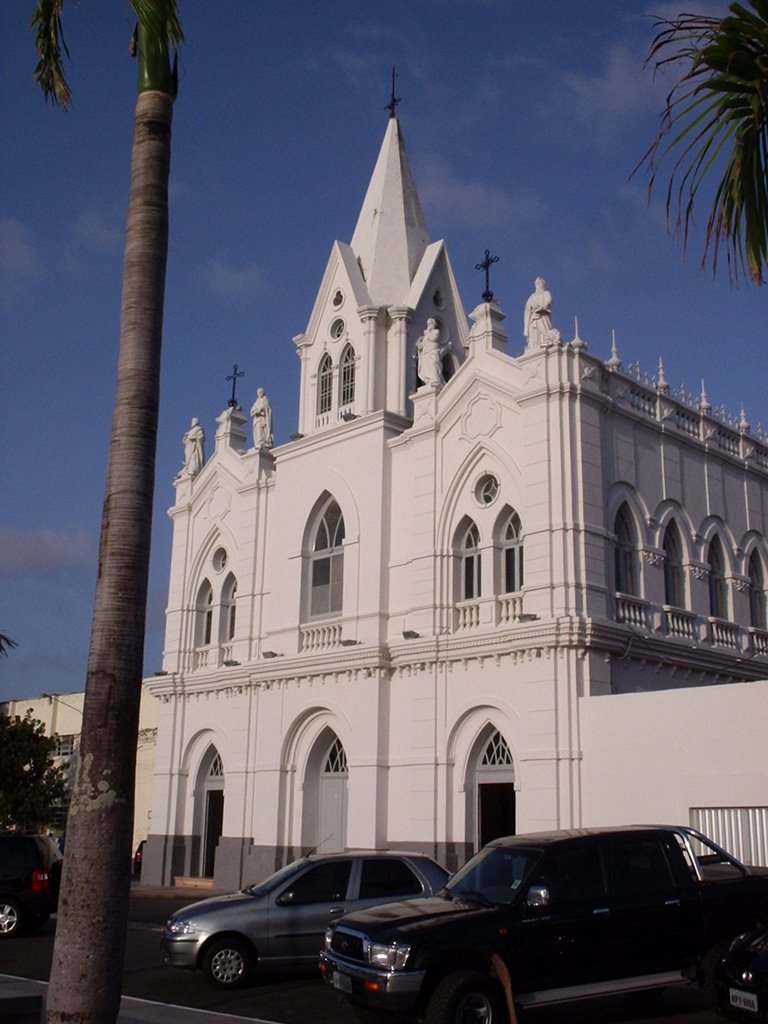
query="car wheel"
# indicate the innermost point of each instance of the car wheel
(11, 917)
(466, 998)
(227, 963)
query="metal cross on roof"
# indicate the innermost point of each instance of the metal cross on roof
(233, 377)
(392, 105)
(486, 266)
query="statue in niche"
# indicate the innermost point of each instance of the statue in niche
(537, 321)
(261, 414)
(194, 449)
(429, 355)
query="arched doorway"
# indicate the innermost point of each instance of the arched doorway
(324, 824)
(209, 809)
(492, 804)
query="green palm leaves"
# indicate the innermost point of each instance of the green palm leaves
(715, 127)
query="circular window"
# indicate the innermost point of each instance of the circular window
(487, 489)
(338, 299)
(437, 299)
(337, 329)
(219, 559)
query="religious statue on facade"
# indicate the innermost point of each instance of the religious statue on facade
(537, 321)
(261, 414)
(429, 354)
(194, 449)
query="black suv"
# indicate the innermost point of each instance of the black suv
(30, 873)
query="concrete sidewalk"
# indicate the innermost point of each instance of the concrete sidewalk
(22, 1002)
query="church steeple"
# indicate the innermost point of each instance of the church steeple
(391, 235)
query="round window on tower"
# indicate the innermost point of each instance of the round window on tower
(219, 559)
(337, 329)
(338, 299)
(486, 489)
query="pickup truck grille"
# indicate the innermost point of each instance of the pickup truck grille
(347, 944)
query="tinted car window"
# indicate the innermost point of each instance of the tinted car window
(321, 884)
(496, 872)
(638, 869)
(573, 876)
(385, 878)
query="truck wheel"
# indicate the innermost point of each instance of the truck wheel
(466, 997)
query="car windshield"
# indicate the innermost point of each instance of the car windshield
(495, 874)
(272, 881)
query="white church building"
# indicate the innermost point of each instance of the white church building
(487, 587)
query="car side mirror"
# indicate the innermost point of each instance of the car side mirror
(538, 896)
(286, 899)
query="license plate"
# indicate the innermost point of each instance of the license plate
(344, 984)
(743, 1000)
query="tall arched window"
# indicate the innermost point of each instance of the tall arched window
(757, 616)
(228, 607)
(204, 615)
(625, 553)
(512, 549)
(325, 385)
(674, 592)
(471, 578)
(717, 594)
(347, 377)
(327, 562)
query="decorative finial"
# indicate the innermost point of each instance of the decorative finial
(232, 403)
(743, 422)
(486, 266)
(614, 363)
(394, 100)
(704, 405)
(661, 383)
(578, 342)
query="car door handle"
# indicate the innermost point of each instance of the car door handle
(335, 911)
(672, 903)
(602, 910)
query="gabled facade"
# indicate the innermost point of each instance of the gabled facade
(392, 631)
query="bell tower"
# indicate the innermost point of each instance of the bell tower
(358, 352)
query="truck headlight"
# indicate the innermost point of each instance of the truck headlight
(392, 957)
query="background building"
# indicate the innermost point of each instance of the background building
(489, 586)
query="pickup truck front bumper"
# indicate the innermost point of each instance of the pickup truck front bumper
(392, 991)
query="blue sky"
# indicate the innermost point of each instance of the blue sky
(522, 123)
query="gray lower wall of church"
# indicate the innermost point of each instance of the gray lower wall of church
(168, 857)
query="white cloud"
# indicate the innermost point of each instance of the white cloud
(474, 202)
(99, 230)
(20, 261)
(44, 553)
(232, 282)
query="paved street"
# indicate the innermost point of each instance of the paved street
(296, 996)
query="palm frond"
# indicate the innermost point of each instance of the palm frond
(49, 40)
(715, 121)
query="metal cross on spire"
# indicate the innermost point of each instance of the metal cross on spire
(233, 377)
(486, 266)
(392, 105)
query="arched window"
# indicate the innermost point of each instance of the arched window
(327, 562)
(757, 616)
(717, 593)
(228, 608)
(347, 377)
(497, 753)
(204, 615)
(674, 592)
(325, 385)
(512, 550)
(625, 552)
(471, 578)
(336, 760)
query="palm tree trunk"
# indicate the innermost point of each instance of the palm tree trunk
(87, 970)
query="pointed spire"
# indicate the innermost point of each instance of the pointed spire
(614, 363)
(578, 342)
(704, 405)
(661, 380)
(391, 234)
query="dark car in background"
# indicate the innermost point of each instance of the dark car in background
(282, 920)
(742, 980)
(30, 875)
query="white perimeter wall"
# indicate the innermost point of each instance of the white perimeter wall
(650, 757)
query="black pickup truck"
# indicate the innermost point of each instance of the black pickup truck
(546, 918)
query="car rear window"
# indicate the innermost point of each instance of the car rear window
(387, 878)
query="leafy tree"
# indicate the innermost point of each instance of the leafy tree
(30, 783)
(715, 128)
(86, 975)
